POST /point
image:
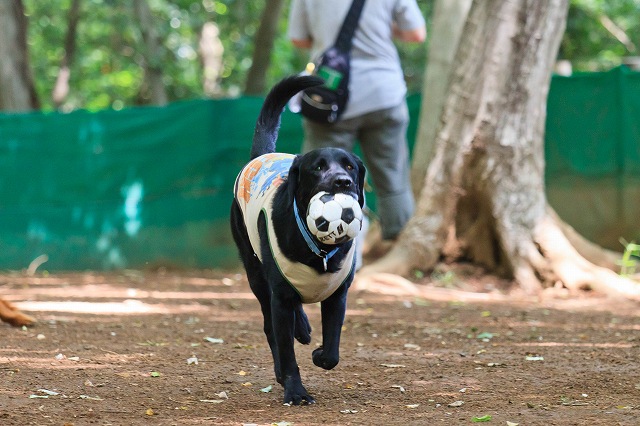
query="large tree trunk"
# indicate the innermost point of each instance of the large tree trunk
(152, 54)
(263, 45)
(17, 90)
(483, 195)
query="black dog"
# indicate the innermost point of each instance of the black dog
(285, 265)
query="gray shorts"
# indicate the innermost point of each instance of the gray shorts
(382, 138)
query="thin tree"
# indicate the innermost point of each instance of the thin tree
(17, 89)
(263, 46)
(61, 88)
(152, 53)
(483, 197)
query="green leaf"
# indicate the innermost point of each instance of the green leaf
(485, 418)
(154, 374)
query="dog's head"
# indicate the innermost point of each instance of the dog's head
(332, 170)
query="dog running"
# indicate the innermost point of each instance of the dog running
(285, 266)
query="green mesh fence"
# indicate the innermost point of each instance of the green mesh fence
(147, 187)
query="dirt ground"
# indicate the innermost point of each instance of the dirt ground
(187, 348)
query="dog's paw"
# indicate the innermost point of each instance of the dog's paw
(297, 395)
(303, 335)
(302, 328)
(323, 360)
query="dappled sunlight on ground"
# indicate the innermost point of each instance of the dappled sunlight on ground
(188, 348)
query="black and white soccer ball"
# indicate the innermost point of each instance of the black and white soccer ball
(334, 218)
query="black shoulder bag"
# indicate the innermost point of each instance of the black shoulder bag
(326, 103)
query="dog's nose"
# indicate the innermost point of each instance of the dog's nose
(342, 183)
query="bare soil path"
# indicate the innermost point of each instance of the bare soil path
(187, 348)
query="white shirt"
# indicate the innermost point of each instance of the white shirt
(377, 81)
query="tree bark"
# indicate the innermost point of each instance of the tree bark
(483, 196)
(211, 51)
(448, 22)
(61, 88)
(263, 46)
(152, 54)
(17, 89)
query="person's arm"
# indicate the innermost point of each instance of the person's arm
(418, 35)
(298, 26)
(302, 43)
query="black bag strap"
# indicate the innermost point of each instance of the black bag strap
(345, 36)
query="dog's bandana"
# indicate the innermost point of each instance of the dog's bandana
(254, 190)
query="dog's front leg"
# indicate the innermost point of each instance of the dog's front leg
(333, 311)
(283, 315)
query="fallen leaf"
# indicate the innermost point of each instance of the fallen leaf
(212, 401)
(393, 365)
(348, 411)
(485, 336)
(267, 389)
(92, 398)
(534, 358)
(512, 423)
(154, 374)
(222, 395)
(149, 412)
(192, 360)
(486, 418)
(413, 405)
(399, 387)
(48, 392)
(456, 404)
(213, 340)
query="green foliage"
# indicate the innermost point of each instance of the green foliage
(589, 45)
(107, 73)
(630, 258)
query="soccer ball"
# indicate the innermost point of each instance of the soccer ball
(334, 218)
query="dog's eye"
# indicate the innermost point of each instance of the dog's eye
(318, 168)
(349, 167)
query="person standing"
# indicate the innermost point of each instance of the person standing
(376, 115)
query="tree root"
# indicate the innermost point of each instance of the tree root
(573, 270)
(547, 259)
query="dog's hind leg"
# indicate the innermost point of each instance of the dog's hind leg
(303, 328)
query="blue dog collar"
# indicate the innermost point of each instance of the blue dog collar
(309, 239)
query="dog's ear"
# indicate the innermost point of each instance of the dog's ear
(294, 178)
(361, 176)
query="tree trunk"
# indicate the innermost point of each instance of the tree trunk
(263, 45)
(17, 90)
(61, 89)
(483, 196)
(152, 54)
(448, 22)
(211, 51)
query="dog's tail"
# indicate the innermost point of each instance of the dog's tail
(268, 124)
